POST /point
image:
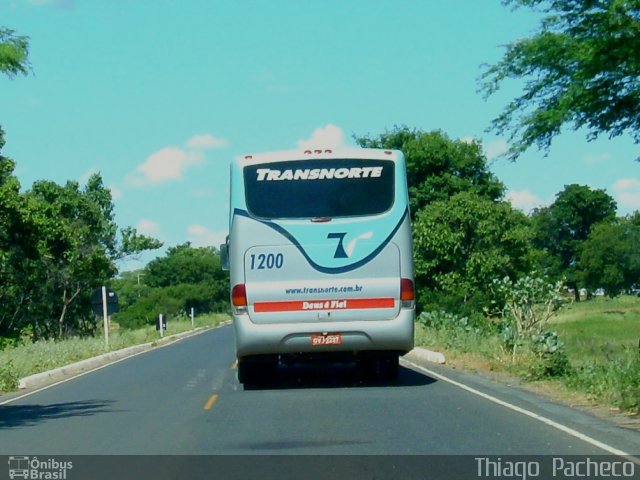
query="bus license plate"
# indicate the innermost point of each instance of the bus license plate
(329, 339)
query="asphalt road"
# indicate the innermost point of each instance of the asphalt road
(184, 399)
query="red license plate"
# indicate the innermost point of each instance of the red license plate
(328, 339)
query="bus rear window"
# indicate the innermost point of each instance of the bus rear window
(319, 188)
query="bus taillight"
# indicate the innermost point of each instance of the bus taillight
(407, 293)
(239, 298)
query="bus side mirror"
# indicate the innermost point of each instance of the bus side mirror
(224, 256)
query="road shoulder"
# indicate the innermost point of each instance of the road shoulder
(593, 422)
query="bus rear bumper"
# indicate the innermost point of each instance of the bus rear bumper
(396, 334)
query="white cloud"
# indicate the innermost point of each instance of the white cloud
(329, 136)
(470, 140)
(523, 200)
(164, 165)
(148, 227)
(205, 141)
(170, 163)
(627, 192)
(626, 184)
(496, 148)
(201, 236)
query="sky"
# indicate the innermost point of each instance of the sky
(159, 96)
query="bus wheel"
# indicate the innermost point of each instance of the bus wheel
(368, 368)
(390, 367)
(257, 369)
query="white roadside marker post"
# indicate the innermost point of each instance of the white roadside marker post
(105, 317)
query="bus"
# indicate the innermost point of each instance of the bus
(320, 258)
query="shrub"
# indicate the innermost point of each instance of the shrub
(526, 306)
(616, 381)
(8, 377)
(550, 357)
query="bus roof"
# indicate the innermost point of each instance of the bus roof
(318, 153)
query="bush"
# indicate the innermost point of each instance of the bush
(458, 301)
(455, 332)
(616, 381)
(550, 357)
(526, 306)
(8, 377)
(174, 301)
(8, 342)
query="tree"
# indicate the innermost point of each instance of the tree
(14, 53)
(610, 256)
(461, 245)
(438, 167)
(18, 250)
(561, 228)
(57, 244)
(581, 68)
(186, 277)
(185, 264)
(76, 243)
(132, 243)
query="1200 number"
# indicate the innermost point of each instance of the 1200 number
(268, 261)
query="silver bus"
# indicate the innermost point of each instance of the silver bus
(320, 258)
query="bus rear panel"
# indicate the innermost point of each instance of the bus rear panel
(320, 259)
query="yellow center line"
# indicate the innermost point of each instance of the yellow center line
(211, 402)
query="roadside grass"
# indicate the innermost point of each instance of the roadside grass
(599, 329)
(600, 338)
(467, 347)
(29, 358)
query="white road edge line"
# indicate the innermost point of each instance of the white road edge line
(540, 418)
(82, 374)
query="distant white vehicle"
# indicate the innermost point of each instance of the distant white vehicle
(320, 259)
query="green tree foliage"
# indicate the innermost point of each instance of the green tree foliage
(18, 252)
(130, 287)
(133, 243)
(437, 166)
(185, 264)
(76, 243)
(58, 244)
(186, 277)
(581, 68)
(610, 256)
(14, 52)
(561, 229)
(461, 245)
(17, 249)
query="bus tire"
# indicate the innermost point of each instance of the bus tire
(256, 370)
(390, 367)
